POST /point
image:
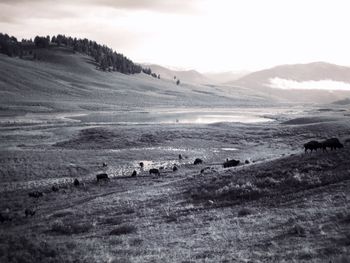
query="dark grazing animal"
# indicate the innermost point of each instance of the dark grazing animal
(35, 194)
(76, 182)
(175, 168)
(332, 143)
(134, 173)
(198, 161)
(29, 212)
(141, 164)
(312, 146)
(180, 157)
(104, 164)
(231, 163)
(247, 162)
(154, 171)
(54, 188)
(103, 176)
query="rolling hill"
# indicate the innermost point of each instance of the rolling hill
(67, 81)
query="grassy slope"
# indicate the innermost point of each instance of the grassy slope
(64, 81)
(293, 208)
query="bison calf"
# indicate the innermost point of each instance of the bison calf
(29, 212)
(76, 182)
(35, 194)
(198, 161)
(154, 171)
(231, 163)
(103, 176)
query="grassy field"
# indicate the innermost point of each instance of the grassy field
(62, 121)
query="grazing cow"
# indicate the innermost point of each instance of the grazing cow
(142, 165)
(154, 171)
(104, 164)
(29, 212)
(180, 157)
(198, 161)
(175, 168)
(103, 176)
(76, 182)
(134, 173)
(54, 188)
(231, 163)
(312, 146)
(247, 162)
(332, 143)
(35, 194)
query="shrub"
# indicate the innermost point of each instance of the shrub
(244, 212)
(68, 228)
(123, 230)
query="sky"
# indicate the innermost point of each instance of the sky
(206, 35)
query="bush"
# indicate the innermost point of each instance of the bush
(123, 230)
(66, 228)
(244, 212)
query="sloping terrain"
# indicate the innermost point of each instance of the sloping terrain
(64, 81)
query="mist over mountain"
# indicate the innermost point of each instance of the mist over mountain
(316, 71)
(318, 82)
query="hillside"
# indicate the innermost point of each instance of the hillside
(63, 80)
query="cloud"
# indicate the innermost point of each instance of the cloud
(170, 6)
(330, 85)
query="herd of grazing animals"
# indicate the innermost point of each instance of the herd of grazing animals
(311, 146)
(332, 143)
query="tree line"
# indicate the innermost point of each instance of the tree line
(106, 58)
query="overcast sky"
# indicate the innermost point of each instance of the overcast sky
(207, 35)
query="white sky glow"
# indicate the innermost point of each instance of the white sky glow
(207, 35)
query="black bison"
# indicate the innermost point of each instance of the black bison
(231, 163)
(104, 164)
(247, 162)
(154, 171)
(134, 173)
(102, 176)
(198, 161)
(332, 143)
(175, 168)
(35, 194)
(180, 157)
(54, 188)
(142, 164)
(76, 182)
(29, 212)
(312, 146)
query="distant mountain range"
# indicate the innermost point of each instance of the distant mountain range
(316, 71)
(193, 76)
